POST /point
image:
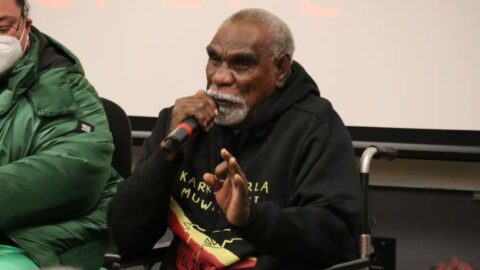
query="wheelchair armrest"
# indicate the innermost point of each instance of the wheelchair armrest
(351, 265)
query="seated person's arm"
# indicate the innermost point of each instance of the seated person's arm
(138, 212)
(137, 215)
(64, 172)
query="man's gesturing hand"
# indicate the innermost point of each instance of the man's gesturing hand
(231, 189)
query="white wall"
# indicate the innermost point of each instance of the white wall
(383, 63)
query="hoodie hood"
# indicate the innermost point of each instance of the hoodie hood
(298, 86)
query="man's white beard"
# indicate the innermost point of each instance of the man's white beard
(232, 110)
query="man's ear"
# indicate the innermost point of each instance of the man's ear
(283, 65)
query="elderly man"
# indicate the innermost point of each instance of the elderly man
(271, 182)
(55, 152)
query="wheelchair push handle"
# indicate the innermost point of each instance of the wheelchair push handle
(377, 152)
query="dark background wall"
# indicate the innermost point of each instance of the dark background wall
(430, 226)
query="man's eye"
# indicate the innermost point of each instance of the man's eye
(242, 65)
(214, 60)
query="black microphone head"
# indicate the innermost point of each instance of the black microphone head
(169, 145)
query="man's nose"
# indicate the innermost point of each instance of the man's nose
(222, 76)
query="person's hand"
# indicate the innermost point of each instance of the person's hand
(231, 189)
(200, 106)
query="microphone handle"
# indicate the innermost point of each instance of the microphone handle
(180, 134)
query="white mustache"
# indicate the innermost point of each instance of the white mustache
(217, 95)
(231, 109)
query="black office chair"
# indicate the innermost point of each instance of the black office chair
(122, 137)
(158, 253)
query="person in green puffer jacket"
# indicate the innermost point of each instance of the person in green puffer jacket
(56, 177)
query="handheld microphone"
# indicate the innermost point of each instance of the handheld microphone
(180, 134)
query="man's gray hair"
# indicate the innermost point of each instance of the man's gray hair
(280, 34)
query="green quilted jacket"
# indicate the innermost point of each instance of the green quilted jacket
(55, 154)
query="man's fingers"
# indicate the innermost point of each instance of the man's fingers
(212, 181)
(207, 105)
(233, 166)
(221, 170)
(203, 94)
(241, 185)
(212, 104)
(225, 154)
(199, 106)
(230, 160)
(204, 109)
(240, 201)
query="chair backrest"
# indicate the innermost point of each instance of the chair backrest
(122, 137)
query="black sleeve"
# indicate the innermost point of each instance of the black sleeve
(321, 223)
(138, 213)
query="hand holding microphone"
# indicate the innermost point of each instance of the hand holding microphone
(189, 114)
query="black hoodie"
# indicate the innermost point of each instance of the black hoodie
(303, 184)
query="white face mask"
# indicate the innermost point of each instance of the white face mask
(10, 52)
